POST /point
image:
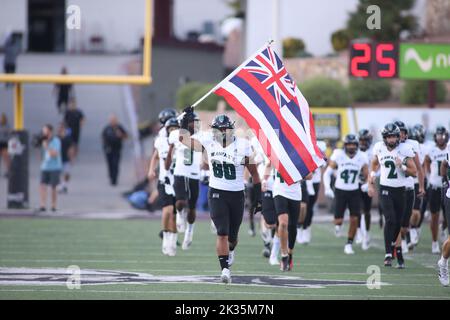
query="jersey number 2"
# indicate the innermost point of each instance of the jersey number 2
(391, 165)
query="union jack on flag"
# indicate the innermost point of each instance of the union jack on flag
(262, 92)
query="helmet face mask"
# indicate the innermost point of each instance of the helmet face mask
(351, 144)
(171, 124)
(166, 114)
(365, 139)
(441, 136)
(391, 135)
(223, 129)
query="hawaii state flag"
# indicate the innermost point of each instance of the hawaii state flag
(262, 92)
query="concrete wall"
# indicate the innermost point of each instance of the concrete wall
(190, 15)
(13, 17)
(120, 23)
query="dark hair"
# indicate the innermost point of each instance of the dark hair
(49, 127)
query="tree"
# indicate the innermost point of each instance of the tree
(340, 40)
(394, 20)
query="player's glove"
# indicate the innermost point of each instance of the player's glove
(257, 202)
(310, 188)
(365, 187)
(187, 117)
(329, 193)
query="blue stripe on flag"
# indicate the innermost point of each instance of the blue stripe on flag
(274, 122)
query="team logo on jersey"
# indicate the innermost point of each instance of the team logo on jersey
(60, 276)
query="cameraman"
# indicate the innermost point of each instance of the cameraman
(51, 165)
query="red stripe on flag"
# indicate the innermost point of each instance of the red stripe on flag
(285, 127)
(254, 125)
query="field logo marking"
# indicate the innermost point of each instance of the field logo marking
(374, 279)
(73, 277)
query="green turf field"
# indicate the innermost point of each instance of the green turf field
(133, 246)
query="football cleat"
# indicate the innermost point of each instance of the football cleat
(443, 273)
(404, 246)
(400, 260)
(266, 251)
(300, 238)
(435, 247)
(230, 258)
(388, 261)
(284, 265)
(187, 240)
(414, 236)
(366, 241)
(358, 238)
(273, 261)
(348, 249)
(225, 277)
(338, 231)
(181, 223)
(307, 235)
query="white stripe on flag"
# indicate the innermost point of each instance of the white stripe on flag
(298, 129)
(268, 130)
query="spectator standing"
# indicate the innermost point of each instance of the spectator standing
(51, 166)
(64, 93)
(5, 132)
(12, 49)
(112, 136)
(74, 120)
(67, 152)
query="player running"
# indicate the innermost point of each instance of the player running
(349, 163)
(433, 160)
(186, 180)
(443, 262)
(312, 190)
(286, 199)
(165, 189)
(418, 134)
(228, 156)
(395, 161)
(412, 191)
(365, 143)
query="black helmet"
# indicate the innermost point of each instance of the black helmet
(222, 121)
(391, 130)
(418, 133)
(443, 131)
(365, 136)
(166, 114)
(172, 122)
(351, 139)
(401, 125)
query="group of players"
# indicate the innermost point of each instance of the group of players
(408, 172)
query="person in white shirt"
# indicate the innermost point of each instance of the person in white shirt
(365, 145)
(395, 161)
(228, 156)
(433, 160)
(186, 181)
(443, 262)
(412, 194)
(348, 163)
(165, 190)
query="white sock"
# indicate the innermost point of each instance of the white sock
(174, 240)
(180, 212)
(165, 238)
(275, 246)
(190, 227)
(444, 261)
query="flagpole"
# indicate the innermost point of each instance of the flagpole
(230, 75)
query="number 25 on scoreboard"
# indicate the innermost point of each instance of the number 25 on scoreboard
(374, 60)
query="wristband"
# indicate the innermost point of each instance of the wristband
(404, 167)
(372, 174)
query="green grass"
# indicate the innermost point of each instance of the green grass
(133, 245)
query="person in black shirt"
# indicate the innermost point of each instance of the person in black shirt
(63, 92)
(113, 135)
(67, 151)
(74, 120)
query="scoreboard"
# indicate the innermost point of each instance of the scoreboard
(370, 59)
